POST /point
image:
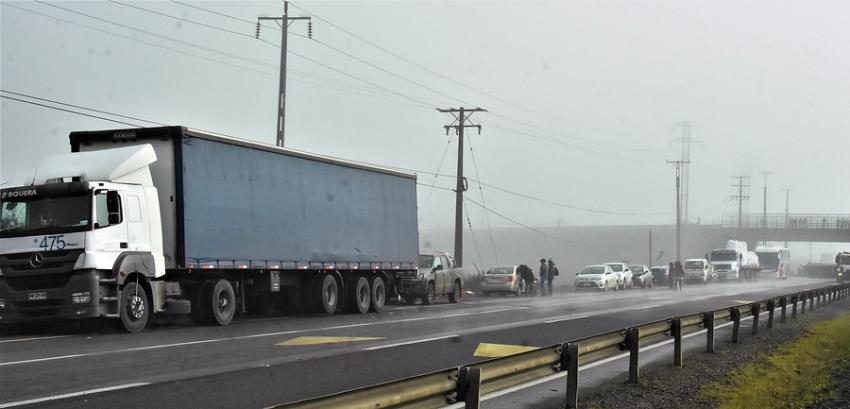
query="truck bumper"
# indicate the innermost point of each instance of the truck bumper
(411, 288)
(727, 275)
(31, 301)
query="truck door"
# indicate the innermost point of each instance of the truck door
(137, 231)
(442, 275)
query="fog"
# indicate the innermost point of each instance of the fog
(585, 98)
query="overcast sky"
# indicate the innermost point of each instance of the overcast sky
(584, 96)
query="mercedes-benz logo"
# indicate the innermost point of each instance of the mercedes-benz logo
(36, 260)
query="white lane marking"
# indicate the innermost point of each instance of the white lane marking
(72, 395)
(267, 334)
(562, 374)
(416, 341)
(52, 358)
(571, 317)
(646, 307)
(32, 338)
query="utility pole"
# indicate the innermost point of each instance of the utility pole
(461, 116)
(764, 211)
(685, 140)
(678, 164)
(741, 197)
(787, 194)
(284, 22)
(650, 248)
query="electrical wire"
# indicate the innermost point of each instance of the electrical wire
(439, 166)
(483, 202)
(80, 107)
(70, 111)
(210, 26)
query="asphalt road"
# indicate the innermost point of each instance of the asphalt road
(255, 363)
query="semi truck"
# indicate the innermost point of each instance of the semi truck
(734, 262)
(842, 266)
(173, 220)
(774, 260)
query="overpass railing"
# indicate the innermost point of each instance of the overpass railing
(464, 385)
(792, 221)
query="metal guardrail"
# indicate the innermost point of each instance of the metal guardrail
(791, 221)
(468, 382)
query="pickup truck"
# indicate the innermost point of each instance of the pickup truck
(437, 276)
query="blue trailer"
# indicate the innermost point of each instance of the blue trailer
(240, 226)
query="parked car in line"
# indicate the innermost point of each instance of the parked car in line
(641, 274)
(660, 275)
(596, 277)
(698, 269)
(625, 278)
(436, 276)
(502, 280)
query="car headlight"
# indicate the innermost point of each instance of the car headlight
(2, 303)
(83, 297)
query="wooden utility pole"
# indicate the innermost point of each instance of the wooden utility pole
(284, 22)
(678, 164)
(741, 197)
(461, 116)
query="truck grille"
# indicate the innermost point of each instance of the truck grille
(53, 262)
(38, 282)
(723, 266)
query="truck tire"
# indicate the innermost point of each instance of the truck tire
(199, 313)
(379, 294)
(430, 294)
(221, 302)
(359, 295)
(454, 296)
(135, 309)
(327, 294)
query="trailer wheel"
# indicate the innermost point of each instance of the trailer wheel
(359, 295)
(454, 296)
(379, 294)
(327, 294)
(135, 309)
(221, 301)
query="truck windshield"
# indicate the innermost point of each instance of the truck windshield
(694, 265)
(426, 261)
(60, 214)
(725, 255)
(844, 260)
(768, 260)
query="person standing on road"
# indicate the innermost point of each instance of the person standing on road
(679, 277)
(544, 273)
(553, 271)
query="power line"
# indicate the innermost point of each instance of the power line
(70, 111)
(81, 107)
(484, 202)
(521, 224)
(436, 175)
(217, 13)
(472, 233)
(210, 26)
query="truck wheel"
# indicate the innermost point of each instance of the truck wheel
(359, 295)
(327, 294)
(430, 295)
(454, 296)
(221, 303)
(199, 313)
(379, 295)
(135, 308)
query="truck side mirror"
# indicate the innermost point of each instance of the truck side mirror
(113, 207)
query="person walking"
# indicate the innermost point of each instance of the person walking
(527, 276)
(553, 271)
(679, 277)
(544, 273)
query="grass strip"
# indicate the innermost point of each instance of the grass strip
(795, 375)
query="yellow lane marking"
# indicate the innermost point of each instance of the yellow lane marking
(322, 340)
(485, 350)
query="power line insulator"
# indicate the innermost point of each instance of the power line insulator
(257, 34)
(309, 28)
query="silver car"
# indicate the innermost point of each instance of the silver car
(501, 279)
(596, 277)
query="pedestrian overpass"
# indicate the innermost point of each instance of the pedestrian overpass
(799, 227)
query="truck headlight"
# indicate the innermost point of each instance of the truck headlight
(2, 303)
(83, 297)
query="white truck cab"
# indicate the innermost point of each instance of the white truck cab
(70, 238)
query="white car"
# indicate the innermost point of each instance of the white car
(698, 269)
(641, 275)
(596, 277)
(625, 279)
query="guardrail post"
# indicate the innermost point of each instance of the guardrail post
(783, 303)
(735, 315)
(708, 323)
(633, 338)
(771, 306)
(811, 300)
(755, 309)
(469, 387)
(569, 360)
(803, 303)
(794, 301)
(676, 329)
